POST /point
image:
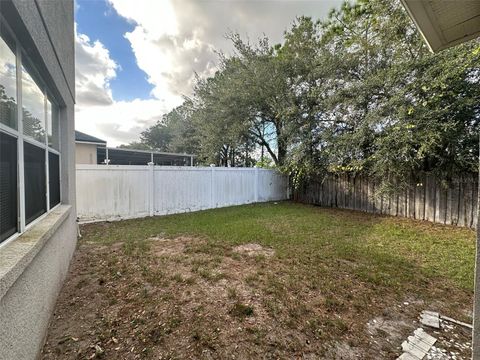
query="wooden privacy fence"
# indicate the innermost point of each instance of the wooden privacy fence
(426, 199)
(109, 192)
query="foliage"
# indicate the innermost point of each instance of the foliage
(397, 109)
(265, 163)
(358, 92)
(136, 145)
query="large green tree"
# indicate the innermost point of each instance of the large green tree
(396, 109)
(358, 92)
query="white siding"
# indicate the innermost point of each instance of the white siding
(120, 192)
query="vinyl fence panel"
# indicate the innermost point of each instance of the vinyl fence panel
(181, 189)
(271, 185)
(120, 192)
(233, 186)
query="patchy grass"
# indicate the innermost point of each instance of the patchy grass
(176, 286)
(241, 310)
(390, 246)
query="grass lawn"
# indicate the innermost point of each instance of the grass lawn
(267, 280)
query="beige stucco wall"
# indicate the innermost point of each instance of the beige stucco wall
(85, 153)
(30, 285)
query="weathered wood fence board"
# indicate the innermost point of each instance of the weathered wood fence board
(452, 203)
(119, 192)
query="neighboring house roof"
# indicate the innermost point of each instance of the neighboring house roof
(85, 138)
(445, 23)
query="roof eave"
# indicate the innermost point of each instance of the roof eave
(429, 27)
(419, 15)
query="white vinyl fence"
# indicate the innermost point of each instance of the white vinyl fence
(110, 192)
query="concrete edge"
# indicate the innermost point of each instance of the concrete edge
(19, 253)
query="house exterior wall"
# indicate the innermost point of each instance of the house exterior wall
(85, 153)
(34, 265)
(27, 305)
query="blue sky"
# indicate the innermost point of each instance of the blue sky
(136, 59)
(99, 21)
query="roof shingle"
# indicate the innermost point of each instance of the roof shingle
(79, 136)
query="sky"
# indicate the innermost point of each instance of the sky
(136, 59)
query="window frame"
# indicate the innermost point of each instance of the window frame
(20, 59)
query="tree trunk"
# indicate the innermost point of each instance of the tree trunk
(282, 151)
(281, 144)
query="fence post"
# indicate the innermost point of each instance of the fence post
(212, 186)
(256, 184)
(151, 188)
(289, 191)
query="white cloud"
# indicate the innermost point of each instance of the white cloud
(97, 113)
(167, 50)
(120, 122)
(94, 70)
(172, 40)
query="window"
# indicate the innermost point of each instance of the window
(35, 185)
(52, 126)
(54, 178)
(8, 83)
(29, 141)
(8, 186)
(33, 106)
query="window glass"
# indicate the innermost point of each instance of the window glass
(54, 178)
(33, 103)
(52, 126)
(35, 182)
(8, 186)
(40, 120)
(8, 83)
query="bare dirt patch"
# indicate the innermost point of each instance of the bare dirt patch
(169, 246)
(254, 250)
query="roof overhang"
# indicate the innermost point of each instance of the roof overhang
(445, 23)
(90, 143)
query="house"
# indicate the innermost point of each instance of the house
(86, 148)
(38, 229)
(92, 150)
(444, 24)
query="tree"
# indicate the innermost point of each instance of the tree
(357, 93)
(262, 95)
(396, 109)
(157, 137)
(136, 145)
